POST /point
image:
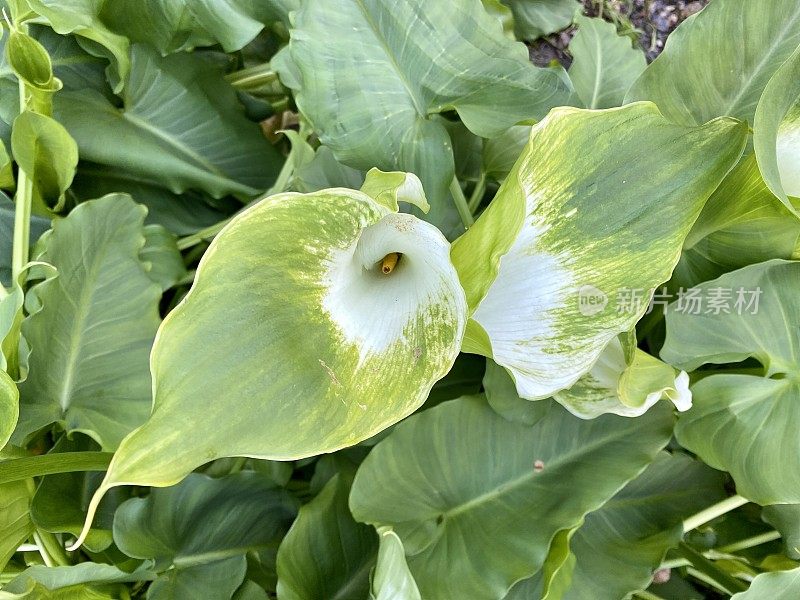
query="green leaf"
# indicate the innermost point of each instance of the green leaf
(776, 132)
(9, 407)
(473, 524)
(536, 18)
(392, 579)
(157, 137)
(604, 64)
(172, 26)
(373, 96)
(742, 223)
(219, 579)
(786, 519)
(575, 223)
(501, 152)
(782, 585)
(380, 340)
(91, 340)
(757, 414)
(502, 13)
(326, 554)
(47, 154)
(82, 18)
(6, 168)
(501, 393)
(57, 578)
(551, 582)
(15, 520)
(744, 44)
(59, 504)
(324, 171)
(202, 529)
(182, 214)
(250, 591)
(620, 545)
(163, 260)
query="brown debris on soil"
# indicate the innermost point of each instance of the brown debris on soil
(650, 21)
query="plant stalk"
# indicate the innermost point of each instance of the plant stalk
(18, 469)
(461, 203)
(50, 549)
(712, 512)
(703, 565)
(252, 77)
(750, 542)
(22, 209)
(477, 194)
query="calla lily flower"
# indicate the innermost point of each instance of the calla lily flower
(343, 314)
(567, 254)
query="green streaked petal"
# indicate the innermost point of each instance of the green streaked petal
(293, 341)
(625, 387)
(574, 237)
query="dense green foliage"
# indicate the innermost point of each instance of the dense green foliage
(348, 300)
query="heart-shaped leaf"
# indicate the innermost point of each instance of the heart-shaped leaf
(326, 554)
(604, 64)
(476, 499)
(159, 141)
(199, 531)
(745, 43)
(757, 315)
(102, 309)
(373, 91)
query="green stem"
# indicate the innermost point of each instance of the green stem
(645, 595)
(461, 203)
(252, 77)
(19, 469)
(48, 560)
(204, 235)
(712, 512)
(477, 194)
(238, 464)
(50, 546)
(22, 211)
(750, 542)
(703, 565)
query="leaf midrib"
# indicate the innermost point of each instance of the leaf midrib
(422, 111)
(527, 476)
(778, 40)
(181, 148)
(77, 329)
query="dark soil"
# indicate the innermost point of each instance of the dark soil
(647, 21)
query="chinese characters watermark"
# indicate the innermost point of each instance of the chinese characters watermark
(696, 301)
(692, 300)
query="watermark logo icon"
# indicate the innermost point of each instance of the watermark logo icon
(591, 300)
